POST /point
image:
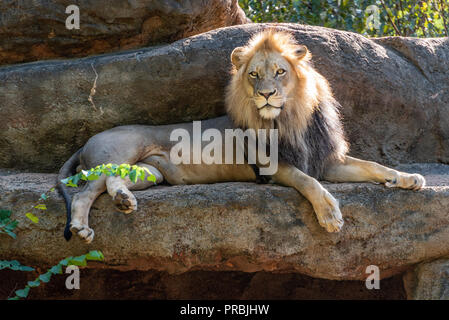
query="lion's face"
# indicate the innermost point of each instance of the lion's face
(267, 77)
(273, 86)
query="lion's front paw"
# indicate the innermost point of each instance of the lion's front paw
(412, 181)
(328, 213)
(125, 201)
(83, 231)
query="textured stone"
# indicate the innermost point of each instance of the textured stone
(393, 91)
(241, 227)
(428, 281)
(35, 29)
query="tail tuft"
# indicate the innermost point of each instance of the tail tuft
(67, 233)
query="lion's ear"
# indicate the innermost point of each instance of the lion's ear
(301, 52)
(236, 57)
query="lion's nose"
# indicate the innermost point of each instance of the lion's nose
(267, 94)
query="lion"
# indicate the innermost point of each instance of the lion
(273, 86)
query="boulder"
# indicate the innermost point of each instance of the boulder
(34, 30)
(241, 227)
(428, 281)
(393, 92)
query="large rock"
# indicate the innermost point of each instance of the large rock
(241, 227)
(34, 30)
(428, 281)
(393, 91)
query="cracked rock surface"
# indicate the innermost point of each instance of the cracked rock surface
(242, 227)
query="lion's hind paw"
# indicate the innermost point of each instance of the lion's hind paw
(125, 202)
(83, 231)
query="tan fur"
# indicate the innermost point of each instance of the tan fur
(307, 88)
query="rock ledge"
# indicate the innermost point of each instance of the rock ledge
(242, 227)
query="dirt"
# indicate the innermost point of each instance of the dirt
(199, 285)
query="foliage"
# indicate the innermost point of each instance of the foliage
(57, 269)
(419, 18)
(14, 265)
(39, 206)
(6, 224)
(134, 172)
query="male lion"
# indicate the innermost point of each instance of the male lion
(272, 87)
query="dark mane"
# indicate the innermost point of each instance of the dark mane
(310, 132)
(323, 140)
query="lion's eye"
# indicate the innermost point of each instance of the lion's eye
(280, 72)
(253, 74)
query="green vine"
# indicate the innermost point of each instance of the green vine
(123, 170)
(80, 261)
(14, 265)
(39, 205)
(7, 225)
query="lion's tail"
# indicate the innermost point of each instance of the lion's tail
(67, 170)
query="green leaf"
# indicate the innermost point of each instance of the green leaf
(23, 293)
(65, 262)
(76, 179)
(5, 214)
(95, 255)
(133, 176)
(41, 207)
(34, 284)
(10, 233)
(57, 269)
(152, 178)
(8, 264)
(32, 217)
(93, 177)
(108, 172)
(25, 268)
(71, 181)
(45, 277)
(14, 265)
(78, 261)
(141, 174)
(12, 225)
